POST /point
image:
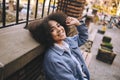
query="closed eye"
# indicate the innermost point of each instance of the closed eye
(52, 29)
(58, 25)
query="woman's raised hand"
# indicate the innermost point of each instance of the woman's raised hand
(72, 21)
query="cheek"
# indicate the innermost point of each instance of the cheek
(54, 35)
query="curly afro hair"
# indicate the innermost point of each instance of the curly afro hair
(40, 29)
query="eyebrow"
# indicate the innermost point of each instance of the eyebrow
(54, 25)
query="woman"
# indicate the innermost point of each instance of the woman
(63, 59)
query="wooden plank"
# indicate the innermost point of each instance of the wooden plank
(88, 59)
(85, 55)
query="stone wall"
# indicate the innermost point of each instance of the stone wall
(18, 49)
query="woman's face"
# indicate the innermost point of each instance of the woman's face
(57, 31)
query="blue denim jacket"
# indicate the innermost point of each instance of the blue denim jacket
(58, 65)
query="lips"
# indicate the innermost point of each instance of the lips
(61, 33)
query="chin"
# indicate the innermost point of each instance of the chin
(64, 37)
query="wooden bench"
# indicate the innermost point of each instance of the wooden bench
(86, 52)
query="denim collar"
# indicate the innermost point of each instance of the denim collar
(60, 51)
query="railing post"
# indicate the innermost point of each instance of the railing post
(4, 13)
(17, 11)
(49, 7)
(43, 7)
(36, 9)
(28, 8)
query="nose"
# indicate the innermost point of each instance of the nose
(58, 29)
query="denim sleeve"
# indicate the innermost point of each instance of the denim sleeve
(60, 72)
(82, 35)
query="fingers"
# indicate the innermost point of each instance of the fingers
(72, 21)
(68, 20)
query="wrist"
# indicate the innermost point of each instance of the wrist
(77, 24)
